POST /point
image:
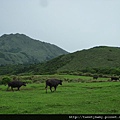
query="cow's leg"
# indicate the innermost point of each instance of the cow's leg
(55, 88)
(51, 89)
(18, 88)
(12, 89)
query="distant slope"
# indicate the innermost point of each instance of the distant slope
(21, 49)
(97, 57)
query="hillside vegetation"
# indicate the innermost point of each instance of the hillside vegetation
(21, 49)
(101, 60)
(97, 60)
(97, 57)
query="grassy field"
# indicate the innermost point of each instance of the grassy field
(70, 98)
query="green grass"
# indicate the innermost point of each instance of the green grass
(70, 98)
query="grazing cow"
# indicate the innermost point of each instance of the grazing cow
(16, 84)
(95, 77)
(114, 78)
(53, 83)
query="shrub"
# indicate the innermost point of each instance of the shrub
(5, 80)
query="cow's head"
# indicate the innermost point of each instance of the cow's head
(60, 82)
(24, 84)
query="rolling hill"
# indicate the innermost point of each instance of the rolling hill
(21, 49)
(97, 57)
(102, 59)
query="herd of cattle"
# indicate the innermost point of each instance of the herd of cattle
(113, 78)
(50, 82)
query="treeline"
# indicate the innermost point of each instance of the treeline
(42, 69)
(14, 69)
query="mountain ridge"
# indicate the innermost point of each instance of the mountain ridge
(21, 49)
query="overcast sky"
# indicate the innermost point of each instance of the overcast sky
(70, 24)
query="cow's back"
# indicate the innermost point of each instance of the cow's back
(52, 82)
(114, 78)
(15, 84)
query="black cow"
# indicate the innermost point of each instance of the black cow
(95, 77)
(114, 78)
(16, 84)
(53, 83)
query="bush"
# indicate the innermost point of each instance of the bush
(5, 80)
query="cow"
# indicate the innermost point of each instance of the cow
(114, 78)
(52, 83)
(16, 84)
(95, 77)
